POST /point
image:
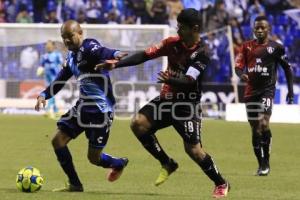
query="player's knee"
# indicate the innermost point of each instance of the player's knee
(265, 127)
(60, 140)
(56, 142)
(138, 126)
(195, 151)
(93, 159)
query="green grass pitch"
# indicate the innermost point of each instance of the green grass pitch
(25, 140)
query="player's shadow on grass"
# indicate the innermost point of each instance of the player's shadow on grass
(9, 190)
(102, 193)
(135, 194)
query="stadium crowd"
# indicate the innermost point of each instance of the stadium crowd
(216, 14)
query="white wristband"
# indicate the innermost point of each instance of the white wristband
(193, 72)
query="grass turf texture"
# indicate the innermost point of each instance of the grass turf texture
(25, 140)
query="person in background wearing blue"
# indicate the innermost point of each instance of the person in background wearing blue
(93, 112)
(50, 64)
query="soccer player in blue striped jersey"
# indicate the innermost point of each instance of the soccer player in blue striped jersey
(93, 112)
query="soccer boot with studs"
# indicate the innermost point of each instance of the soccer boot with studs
(166, 171)
(115, 173)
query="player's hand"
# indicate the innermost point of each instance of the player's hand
(39, 101)
(290, 98)
(163, 77)
(244, 77)
(121, 54)
(108, 65)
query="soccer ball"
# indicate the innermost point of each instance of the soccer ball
(29, 179)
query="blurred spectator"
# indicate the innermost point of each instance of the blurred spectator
(139, 9)
(174, 8)
(236, 9)
(116, 5)
(192, 4)
(11, 10)
(76, 5)
(28, 60)
(93, 11)
(39, 10)
(236, 29)
(71, 8)
(255, 10)
(51, 17)
(81, 17)
(159, 12)
(2, 5)
(294, 3)
(211, 72)
(275, 6)
(2, 16)
(23, 15)
(217, 17)
(129, 20)
(51, 5)
(112, 17)
(276, 38)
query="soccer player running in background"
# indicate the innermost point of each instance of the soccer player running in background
(93, 112)
(181, 92)
(256, 64)
(50, 65)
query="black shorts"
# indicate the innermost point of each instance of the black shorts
(185, 117)
(259, 104)
(95, 124)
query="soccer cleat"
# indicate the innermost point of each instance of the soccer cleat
(221, 191)
(69, 188)
(166, 171)
(115, 173)
(263, 171)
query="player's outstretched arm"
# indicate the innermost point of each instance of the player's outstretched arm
(134, 59)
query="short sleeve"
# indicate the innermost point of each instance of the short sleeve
(158, 50)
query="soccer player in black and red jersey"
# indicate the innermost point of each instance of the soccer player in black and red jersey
(178, 104)
(256, 64)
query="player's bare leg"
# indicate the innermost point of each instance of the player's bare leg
(59, 143)
(142, 129)
(115, 165)
(208, 166)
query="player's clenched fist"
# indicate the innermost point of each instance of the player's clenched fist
(40, 100)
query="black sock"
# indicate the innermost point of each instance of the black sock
(65, 159)
(266, 145)
(257, 148)
(210, 169)
(151, 144)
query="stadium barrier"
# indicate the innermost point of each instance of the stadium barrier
(281, 113)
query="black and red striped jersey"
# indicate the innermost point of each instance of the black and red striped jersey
(180, 60)
(260, 61)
